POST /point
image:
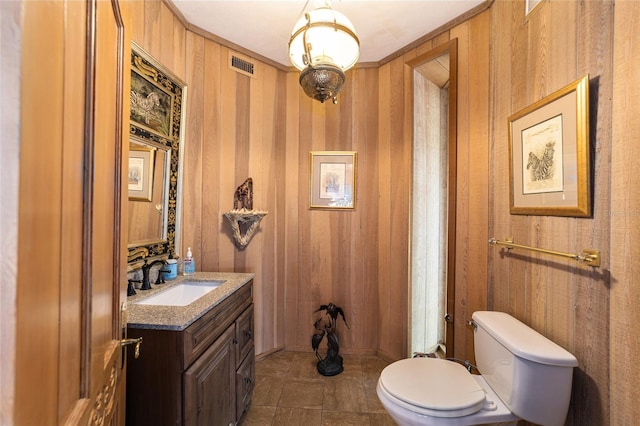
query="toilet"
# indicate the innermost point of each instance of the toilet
(524, 375)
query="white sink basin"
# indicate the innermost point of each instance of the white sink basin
(181, 294)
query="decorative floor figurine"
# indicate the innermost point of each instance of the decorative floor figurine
(332, 363)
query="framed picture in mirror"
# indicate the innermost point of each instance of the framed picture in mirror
(140, 176)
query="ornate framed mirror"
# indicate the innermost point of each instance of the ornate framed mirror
(155, 157)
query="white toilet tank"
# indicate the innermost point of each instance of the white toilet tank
(530, 373)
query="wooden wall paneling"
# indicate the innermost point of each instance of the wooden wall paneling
(192, 161)
(385, 281)
(536, 83)
(520, 269)
(370, 219)
(559, 321)
(214, 203)
(340, 259)
(463, 287)
(321, 267)
(478, 76)
(277, 249)
(355, 292)
(399, 184)
(178, 49)
(339, 136)
(594, 46)
(499, 224)
(364, 294)
(228, 157)
(268, 194)
(244, 115)
(166, 38)
(624, 212)
(259, 147)
(151, 42)
(136, 19)
(302, 283)
(293, 211)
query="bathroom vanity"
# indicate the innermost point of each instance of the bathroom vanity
(196, 363)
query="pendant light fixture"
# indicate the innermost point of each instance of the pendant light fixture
(323, 46)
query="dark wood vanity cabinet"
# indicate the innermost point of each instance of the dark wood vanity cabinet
(203, 375)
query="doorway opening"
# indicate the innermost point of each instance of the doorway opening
(433, 202)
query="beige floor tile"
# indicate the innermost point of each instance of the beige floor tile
(344, 394)
(301, 393)
(290, 391)
(338, 418)
(276, 364)
(372, 367)
(268, 389)
(373, 402)
(304, 366)
(297, 417)
(381, 420)
(258, 416)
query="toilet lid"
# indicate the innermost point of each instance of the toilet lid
(443, 387)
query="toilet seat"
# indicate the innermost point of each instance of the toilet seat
(433, 387)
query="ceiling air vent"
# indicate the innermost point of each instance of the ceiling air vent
(241, 65)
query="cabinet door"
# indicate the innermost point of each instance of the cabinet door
(209, 385)
(245, 381)
(244, 335)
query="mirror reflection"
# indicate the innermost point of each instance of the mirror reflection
(147, 218)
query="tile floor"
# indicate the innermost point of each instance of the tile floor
(290, 391)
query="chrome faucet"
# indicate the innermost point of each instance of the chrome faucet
(146, 285)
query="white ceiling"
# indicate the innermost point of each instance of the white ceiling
(264, 27)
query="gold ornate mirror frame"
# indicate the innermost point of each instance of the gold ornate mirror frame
(158, 99)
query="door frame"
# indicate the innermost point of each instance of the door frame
(452, 48)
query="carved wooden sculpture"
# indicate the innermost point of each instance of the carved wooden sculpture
(243, 197)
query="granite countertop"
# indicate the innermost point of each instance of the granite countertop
(180, 317)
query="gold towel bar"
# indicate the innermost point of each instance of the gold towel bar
(588, 256)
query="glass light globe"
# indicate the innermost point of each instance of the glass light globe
(329, 38)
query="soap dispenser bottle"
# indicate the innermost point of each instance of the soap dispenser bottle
(189, 264)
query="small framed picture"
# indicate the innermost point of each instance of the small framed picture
(140, 178)
(549, 155)
(332, 180)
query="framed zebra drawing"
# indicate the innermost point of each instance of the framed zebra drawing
(549, 155)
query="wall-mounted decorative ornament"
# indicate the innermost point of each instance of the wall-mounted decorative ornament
(243, 219)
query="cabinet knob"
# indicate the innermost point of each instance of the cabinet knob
(235, 341)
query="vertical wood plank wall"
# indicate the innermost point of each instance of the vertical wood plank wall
(624, 315)
(556, 44)
(264, 127)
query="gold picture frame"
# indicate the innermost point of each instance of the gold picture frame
(140, 176)
(332, 180)
(550, 173)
